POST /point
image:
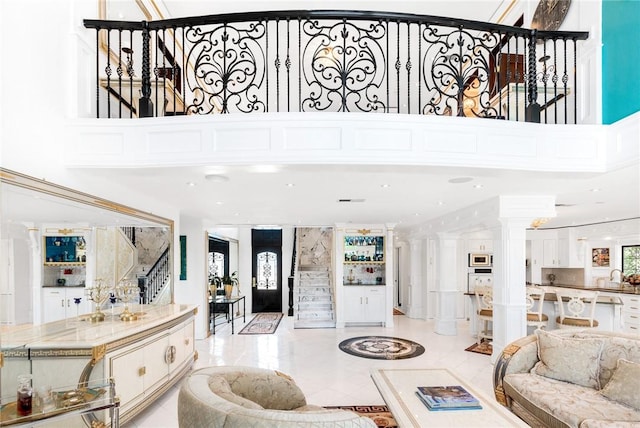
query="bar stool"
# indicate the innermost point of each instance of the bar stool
(484, 312)
(535, 305)
(577, 308)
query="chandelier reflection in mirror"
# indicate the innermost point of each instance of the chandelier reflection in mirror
(98, 294)
(267, 268)
(127, 292)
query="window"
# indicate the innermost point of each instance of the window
(631, 259)
(216, 265)
(267, 268)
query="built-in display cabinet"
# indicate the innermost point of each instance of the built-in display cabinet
(363, 276)
(64, 250)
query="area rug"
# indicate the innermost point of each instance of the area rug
(263, 323)
(483, 348)
(381, 347)
(397, 311)
(380, 414)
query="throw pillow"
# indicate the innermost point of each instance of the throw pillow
(569, 359)
(623, 386)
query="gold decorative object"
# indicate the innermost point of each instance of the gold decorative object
(99, 294)
(364, 231)
(536, 223)
(127, 292)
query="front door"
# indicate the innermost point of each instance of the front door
(266, 287)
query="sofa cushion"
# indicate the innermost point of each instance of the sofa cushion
(573, 360)
(560, 403)
(269, 390)
(219, 385)
(624, 384)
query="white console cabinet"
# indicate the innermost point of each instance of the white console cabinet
(631, 313)
(364, 304)
(145, 357)
(58, 303)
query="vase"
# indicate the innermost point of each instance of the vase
(228, 289)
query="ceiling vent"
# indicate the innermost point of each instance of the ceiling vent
(350, 200)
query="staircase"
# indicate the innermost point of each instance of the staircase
(313, 299)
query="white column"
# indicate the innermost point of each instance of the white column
(389, 261)
(509, 258)
(414, 303)
(35, 244)
(447, 284)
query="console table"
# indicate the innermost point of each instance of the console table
(228, 304)
(398, 387)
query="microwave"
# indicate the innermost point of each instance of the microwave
(480, 260)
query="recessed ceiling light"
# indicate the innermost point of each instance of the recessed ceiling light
(595, 189)
(191, 184)
(440, 203)
(478, 186)
(385, 186)
(459, 180)
(219, 203)
(290, 185)
(217, 178)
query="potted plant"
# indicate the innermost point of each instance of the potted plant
(226, 281)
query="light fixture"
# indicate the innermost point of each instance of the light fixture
(536, 223)
(290, 185)
(478, 186)
(385, 186)
(191, 184)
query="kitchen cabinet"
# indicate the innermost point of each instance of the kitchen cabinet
(631, 314)
(364, 304)
(480, 245)
(59, 303)
(550, 253)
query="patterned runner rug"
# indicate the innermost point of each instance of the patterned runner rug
(263, 323)
(380, 414)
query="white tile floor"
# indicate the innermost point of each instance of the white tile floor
(327, 375)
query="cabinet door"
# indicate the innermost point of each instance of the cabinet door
(128, 370)
(550, 253)
(156, 362)
(81, 308)
(480, 245)
(54, 307)
(374, 298)
(181, 339)
(354, 304)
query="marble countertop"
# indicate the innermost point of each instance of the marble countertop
(621, 289)
(79, 332)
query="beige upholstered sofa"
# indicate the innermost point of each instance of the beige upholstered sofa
(571, 378)
(253, 397)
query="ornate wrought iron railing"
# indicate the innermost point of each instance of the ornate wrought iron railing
(156, 279)
(340, 61)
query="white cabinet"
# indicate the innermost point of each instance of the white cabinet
(58, 303)
(631, 314)
(480, 245)
(145, 367)
(364, 304)
(550, 253)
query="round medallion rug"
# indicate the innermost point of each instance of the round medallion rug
(381, 347)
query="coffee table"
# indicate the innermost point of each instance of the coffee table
(398, 387)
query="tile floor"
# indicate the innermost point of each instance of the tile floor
(327, 375)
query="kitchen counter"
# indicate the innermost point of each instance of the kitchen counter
(621, 289)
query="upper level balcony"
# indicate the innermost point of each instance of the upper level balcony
(335, 61)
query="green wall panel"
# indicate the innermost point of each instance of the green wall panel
(620, 59)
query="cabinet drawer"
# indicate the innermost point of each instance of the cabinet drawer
(631, 318)
(631, 304)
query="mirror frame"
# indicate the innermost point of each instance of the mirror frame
(14, 178)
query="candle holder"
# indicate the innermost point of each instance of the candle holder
(99, 294)
(127, 292)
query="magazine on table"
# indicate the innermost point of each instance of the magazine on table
(447, 397)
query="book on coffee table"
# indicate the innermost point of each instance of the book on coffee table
(449, 397)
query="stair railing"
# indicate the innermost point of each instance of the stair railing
(337, 61)
(156, 278)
